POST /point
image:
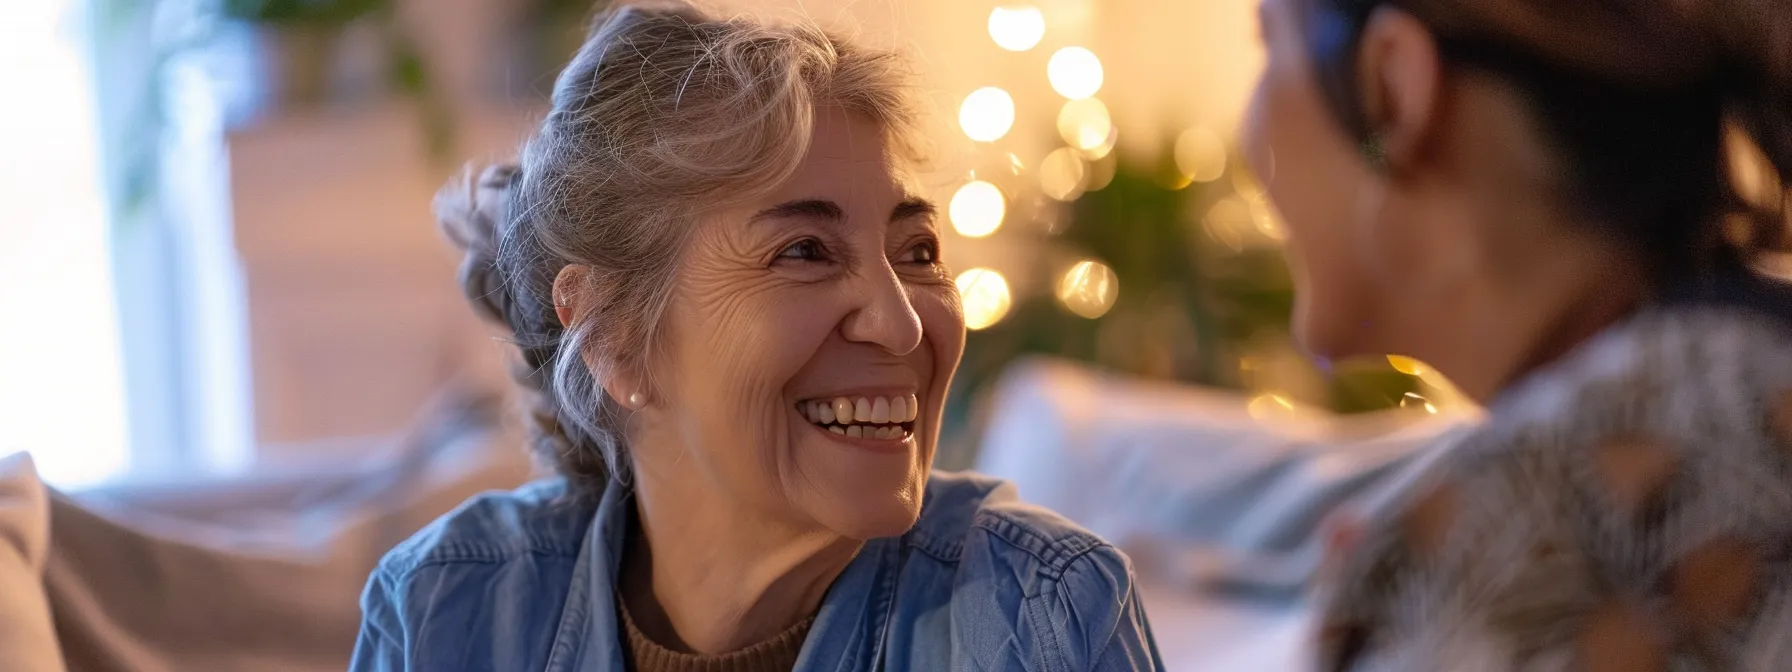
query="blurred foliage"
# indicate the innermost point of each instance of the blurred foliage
(335, 13)
(200, 24)
(1190, 307)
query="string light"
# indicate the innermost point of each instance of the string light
(977, 209)
(1075, 73)
(1017, 28)
(1201, 154)
(1089, 289)
(1062, 175)
(987, 114)
(1085, 124)
(986, 298)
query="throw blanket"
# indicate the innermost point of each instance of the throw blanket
(1629, 508)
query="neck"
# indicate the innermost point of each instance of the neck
(709, 575)
(1495, 332)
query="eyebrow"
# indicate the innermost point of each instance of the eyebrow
(811, 208)
(829, 211)
(913, 206)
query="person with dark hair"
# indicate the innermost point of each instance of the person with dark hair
(738, 334)
(1565, 207)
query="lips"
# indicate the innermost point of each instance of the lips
(880, 417)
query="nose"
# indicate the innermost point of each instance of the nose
(884, 316)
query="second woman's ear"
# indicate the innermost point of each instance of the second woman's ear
(1399, 72)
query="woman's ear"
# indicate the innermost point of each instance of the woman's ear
(1399, 73)
(569, 291)
(626, 388)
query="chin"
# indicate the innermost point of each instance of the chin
(872, 512)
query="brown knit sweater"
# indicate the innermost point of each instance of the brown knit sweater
(777, 654)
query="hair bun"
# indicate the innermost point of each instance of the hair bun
(471, 210)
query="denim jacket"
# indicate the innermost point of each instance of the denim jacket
(521, 581)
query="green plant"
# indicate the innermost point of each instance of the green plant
(334, 13)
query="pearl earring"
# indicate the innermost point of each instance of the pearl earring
(636, 400)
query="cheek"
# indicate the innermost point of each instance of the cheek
(942, 323)
(740, 341)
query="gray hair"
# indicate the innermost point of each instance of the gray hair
(665, 114)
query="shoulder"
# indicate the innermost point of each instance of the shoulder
(1026, 575)
(973, 514)
(1663, 441)
(537, 520)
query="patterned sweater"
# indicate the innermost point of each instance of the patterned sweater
(1629, 508)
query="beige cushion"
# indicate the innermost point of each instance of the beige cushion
(27, 637)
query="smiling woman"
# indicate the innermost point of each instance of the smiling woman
(733, 312)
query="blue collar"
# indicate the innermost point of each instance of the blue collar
(849, 631)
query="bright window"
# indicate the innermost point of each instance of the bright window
(61, 374)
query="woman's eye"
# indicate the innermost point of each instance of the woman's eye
(804, 250)
(923, 253)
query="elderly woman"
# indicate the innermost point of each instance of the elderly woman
(733, 313)
(1560, 205)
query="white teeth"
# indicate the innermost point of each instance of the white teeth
(842, 410)
(861, 412)
(914, 408)
(899, 409)
(824, 412)
(880, 411)
(856, 431)
(837, 429)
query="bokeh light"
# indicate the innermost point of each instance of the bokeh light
(987, 114)
(1413, 400)
(1089, 289)
(1101, 173)
(1201, 154)
(986, 297)
(1062, 175)
(1272, 408)
(1406, 365)
(1085, 124)
(1016, 28)
(1075, 73)
(977, 209)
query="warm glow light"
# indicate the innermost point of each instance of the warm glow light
(977, 209)
(1270, 408)
(1101, 173)
(1264, 218)
(1075, 73)
(1089, 289)
(1416, 401)
(986, 297)
(1201, 154)
(987, 114)
(1228, 223)
(1106, 147)
(1085, 124)
(1062, 174)
(1751, 172)
(1017, 28)
(1247, 186)
(1406, 365)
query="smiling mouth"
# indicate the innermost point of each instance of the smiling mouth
(888, 418)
